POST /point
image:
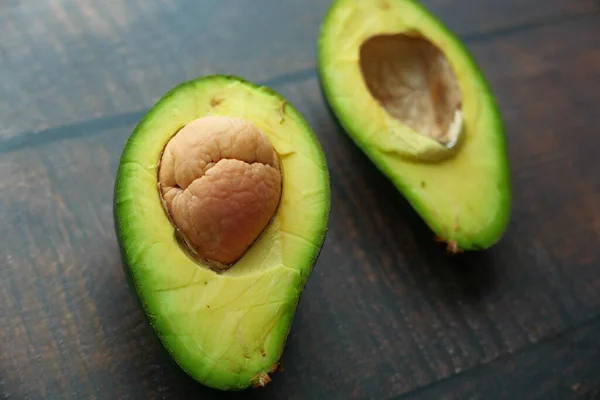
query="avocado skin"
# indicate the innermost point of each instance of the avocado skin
(127, 267)
(502, 220)
(165, 355)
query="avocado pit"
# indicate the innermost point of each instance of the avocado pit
(413, 81)
(220, 182)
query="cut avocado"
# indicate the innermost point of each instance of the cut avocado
(408, 93)
(225, 324)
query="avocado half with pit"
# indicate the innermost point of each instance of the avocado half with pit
(408, 93)
(221, 207)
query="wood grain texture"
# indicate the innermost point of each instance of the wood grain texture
(386, 311)
(71, 60)
(562, 367)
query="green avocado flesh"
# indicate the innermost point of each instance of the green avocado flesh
(227, 330)
(397, 79)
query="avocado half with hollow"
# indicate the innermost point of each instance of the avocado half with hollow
(221, 207)
(408, 93)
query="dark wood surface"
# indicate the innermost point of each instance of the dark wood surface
(386, 312)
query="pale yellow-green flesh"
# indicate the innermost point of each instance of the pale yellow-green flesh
(223, 329)
(464, 195)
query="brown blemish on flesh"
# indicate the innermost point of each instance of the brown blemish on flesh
(215, 101)
(282, 112)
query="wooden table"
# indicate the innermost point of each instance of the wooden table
(386, 312)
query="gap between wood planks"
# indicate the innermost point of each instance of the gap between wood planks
(93, 126)
(566, 335)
